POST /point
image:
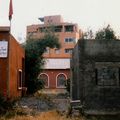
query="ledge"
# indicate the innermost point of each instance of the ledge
(4, 28)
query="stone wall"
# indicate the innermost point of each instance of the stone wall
(95, 71)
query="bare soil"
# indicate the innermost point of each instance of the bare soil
(41, 107)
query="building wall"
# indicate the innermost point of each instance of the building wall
(35, 32)
(3, 67)
(31, 31)
(98, 81)
(16, 63)
(53, 19)
(64, 46)
(53, 73)
(9, 66)
(76, 91)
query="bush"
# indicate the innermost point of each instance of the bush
(5, 104)
(35, 85)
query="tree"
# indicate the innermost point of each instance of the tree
(88, 35)
(105, 33)
(34, 49)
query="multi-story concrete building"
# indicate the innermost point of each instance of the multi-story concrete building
(57, 67)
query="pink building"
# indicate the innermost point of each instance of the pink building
(57, 67)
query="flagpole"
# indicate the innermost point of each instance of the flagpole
(10, 23)
(10, 27)
(10, 13)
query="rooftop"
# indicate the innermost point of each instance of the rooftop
(4, 28)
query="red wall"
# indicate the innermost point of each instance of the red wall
(15, 63)
(9, 67)
(4, 68)
(53, 74)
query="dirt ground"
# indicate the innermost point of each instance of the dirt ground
(47, 107)
(41, 107)
(50, 115)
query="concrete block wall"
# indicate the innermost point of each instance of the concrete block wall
(95, 70)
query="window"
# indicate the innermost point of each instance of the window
(69, 50)
(69, 28)
(69, 40)
(107, 74)
(61, 80)
(58, 28)
(57, 51)
(19, 79)
(44, 77)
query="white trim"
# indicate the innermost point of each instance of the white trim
(47, 77)
(57, 77)
(20, 87)
(57, 63)
(20, 70)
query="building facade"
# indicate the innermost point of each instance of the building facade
(12, 57)
(57, 67)
(95, 67)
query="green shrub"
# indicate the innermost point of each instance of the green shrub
(35, 85)
(5, 104)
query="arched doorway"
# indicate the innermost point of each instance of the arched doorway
(45, 78)
(61, 80)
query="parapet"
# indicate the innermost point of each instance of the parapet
(4, 29)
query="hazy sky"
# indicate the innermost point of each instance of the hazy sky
(89, 14)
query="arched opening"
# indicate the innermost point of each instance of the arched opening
(61, 80)
(45, 78)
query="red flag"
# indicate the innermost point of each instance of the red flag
(10, 10)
